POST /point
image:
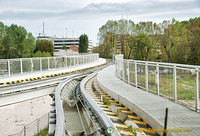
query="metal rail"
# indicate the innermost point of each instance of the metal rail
(59, 112)
(92, 104)
(75, 99)
(60, 125)
(10, 67)
(152, 76)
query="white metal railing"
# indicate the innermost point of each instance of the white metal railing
(24, 65)
(177, 82)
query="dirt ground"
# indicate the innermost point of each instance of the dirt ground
(14, 117)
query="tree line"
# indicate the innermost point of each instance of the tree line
(170, 41)
(16, 42)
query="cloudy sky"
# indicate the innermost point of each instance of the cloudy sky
(73, 17)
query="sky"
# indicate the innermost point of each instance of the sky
(71, 18)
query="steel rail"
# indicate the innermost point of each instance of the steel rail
(92, 104)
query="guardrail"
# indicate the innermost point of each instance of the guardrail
(59, 118)
(25, 65)
(95, 108)
(177, 82)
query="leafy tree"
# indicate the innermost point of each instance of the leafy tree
(83, 44)
(15, 42)
(45, 46)
(64, 47)
(41, 54)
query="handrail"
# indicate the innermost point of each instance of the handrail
(60, 120)
(28, 65)
(141, 70)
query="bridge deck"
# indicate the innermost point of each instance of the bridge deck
(150, 106)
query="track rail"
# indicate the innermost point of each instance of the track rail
(95, 108)
(57, 119)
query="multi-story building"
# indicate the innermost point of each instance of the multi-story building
(60, 42)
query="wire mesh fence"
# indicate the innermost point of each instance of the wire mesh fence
(177, 82)
(34, 127)
(24, 65)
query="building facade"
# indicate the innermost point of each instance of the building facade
(68, 42)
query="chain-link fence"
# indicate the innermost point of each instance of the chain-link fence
(25, 65)
(177, 82)
(34, 127)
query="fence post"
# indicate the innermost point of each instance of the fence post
(146, 76)
(48, 63)
(8, 66)
(21, 68)
(55, 62)
(24, 130)
(157, 78)
(135, 73)
(197, 90)
(123, 70)
(174, 83)
(31, 64)
(38, 126)
(40, 64)
(74, 60)
(128, 73)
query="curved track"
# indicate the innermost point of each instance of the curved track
(80, 107)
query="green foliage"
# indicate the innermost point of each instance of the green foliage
(106, 102)
(15, 42)
(41, 54)
(45, 46)
(64, 47)
(131, 129)
(43, 132)
(176, 42)
(83, 44)
(118, 112)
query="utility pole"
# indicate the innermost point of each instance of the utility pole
(43, 29)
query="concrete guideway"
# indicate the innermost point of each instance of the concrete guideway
(45, 74)
(149, 106)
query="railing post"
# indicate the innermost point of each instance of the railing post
(55, 62)
(8, 66)
(74, 60)
(69, 61)
(24, 130)
(174, 83)
(146, 76)
(38, 126)
(123, 70)
(40, 64)
(48, 63)
(31, 64)
(65, 62)
(197, 90)
(135, 73)
(157, 78)
(21, 68)
(128, 72)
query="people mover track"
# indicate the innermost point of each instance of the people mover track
(80, 107)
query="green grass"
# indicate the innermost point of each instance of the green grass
(43, 132)
(106, 102)
(185, 84)
(118, 112)
(131, 129)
